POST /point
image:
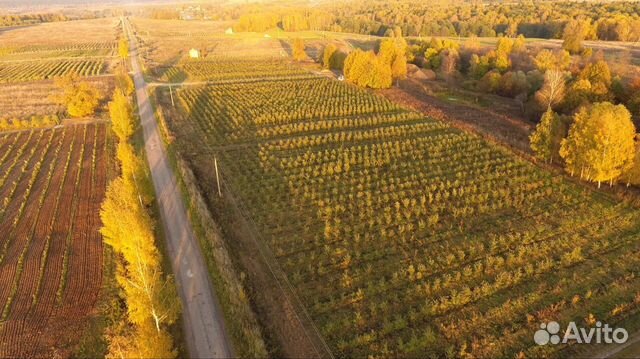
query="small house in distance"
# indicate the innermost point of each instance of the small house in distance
(194, 53)
(229, 31)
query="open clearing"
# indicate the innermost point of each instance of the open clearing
(400, 233)
(52, 183)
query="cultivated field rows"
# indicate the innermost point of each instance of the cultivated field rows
(402, 235)
(48, 50)
(51, 188)
(48, 69)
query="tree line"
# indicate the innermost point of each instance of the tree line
(25, 19)
(607, 21)
(615, 21)
(597, 143)
(148, 294)
(586, 123)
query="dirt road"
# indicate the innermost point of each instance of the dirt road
(202, 317)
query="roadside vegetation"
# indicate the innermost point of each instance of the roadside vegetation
(152, 303)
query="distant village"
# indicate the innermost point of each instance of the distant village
(193, 12)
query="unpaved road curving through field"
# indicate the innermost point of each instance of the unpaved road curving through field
(202, 317)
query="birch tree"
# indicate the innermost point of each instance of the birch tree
(600, 144)
(553, 90)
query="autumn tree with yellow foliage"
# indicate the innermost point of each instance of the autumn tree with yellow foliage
(392, 53)
(121, 114)
(124, 81)
(328, 56)
(600, 145)
(365, 69)
(546, 139)
(150, 295)
(79, 97)
(123, 49)
(298, 50)
(368, 69)
(632, 175)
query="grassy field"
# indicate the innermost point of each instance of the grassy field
(402, 235)
(51, 187)
(61, 34)
(167, 42)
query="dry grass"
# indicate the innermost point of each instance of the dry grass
(23, 100)
(61, 33)
(168, 41)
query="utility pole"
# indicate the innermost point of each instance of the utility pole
(171, 94)
(215, 163)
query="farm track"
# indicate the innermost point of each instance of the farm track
(203, 321)
(230, 81)
(68, 178)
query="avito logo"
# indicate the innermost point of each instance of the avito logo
(550, 333)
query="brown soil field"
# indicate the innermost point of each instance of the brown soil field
(52, 183)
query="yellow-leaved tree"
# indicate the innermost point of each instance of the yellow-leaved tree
(79, 97)
(365, 69)
(127, 226)
(151, 296)
(298, 50)
(121, 114)
(328, 61)
(546, 139)
(123, 48)
(632, 175)
(392, 53)
(124, 81)
(600, 145)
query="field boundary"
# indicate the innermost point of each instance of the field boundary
(221, 269)
(316, 338)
